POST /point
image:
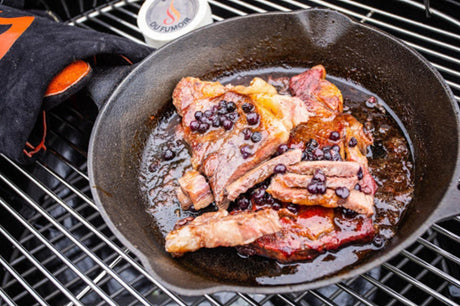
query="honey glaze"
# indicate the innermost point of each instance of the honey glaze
(390, 162)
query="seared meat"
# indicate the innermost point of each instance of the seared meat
(304, 209)
(329, 168)
(355, 200)
(309, 232)
(194, 186)
(184, 200)
(232, 129)
(321, 96)
(295, 180)
(219, 228)
(334, 143)
(261, 173)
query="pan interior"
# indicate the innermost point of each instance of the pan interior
(160, 180)
(303, 39)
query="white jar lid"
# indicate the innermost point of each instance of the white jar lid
(161, 21)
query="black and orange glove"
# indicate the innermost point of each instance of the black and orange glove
(42, 62)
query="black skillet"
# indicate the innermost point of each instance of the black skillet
(412, 88)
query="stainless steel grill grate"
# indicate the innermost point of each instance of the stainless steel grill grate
(56, 249)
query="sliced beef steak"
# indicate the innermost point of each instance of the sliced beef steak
(309, 232)
(194, 190)
(329, 168)
(220, 228)
(261, 173)
(232, 129)
(355, 200)
(294, 180)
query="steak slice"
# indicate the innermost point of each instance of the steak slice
(321, 96)
(194, 186)
(310, 232)
(329, 168)
(261, 173)
(220, 228)
(223, 154)
(294, 180)
(356, 201)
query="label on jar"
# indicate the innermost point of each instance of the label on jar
(169, 16)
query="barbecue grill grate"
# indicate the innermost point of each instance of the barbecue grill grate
(56, 249)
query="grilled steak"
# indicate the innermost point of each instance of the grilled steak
(309, 232)
(220, 228)
(232, 129)
(261, 173)
(302, 201)
(194, 190)
(329, 168)
(294, 180)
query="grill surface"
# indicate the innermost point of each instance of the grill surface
(56, 249)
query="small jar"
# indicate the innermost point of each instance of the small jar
(162, 21)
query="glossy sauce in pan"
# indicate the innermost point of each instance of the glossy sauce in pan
(390, 162)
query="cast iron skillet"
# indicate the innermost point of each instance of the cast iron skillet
(411, 87)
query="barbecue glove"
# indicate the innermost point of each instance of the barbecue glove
(42, 57)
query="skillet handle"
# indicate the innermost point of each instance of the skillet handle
(450, 205)
(104, 82)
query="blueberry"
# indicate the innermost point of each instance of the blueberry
(318, 154)
(203, 128)
(245, 151)
(353, 142)
(358, 187)
(292, 208)
(258, 196)
(247, 107)
(256, 137)
(206, 120)
(222, 118)
(243, 203)
(276, 205)
(232, 116)
(231, 106)
(198, 115)
(360, 173)
(316, 187)
(342, 192)
(252, 118)
(282, 149)
(280, 169)
(319, 176)
(308, 155)
(215, 122)
(335, 155)
(222, 111)
(208, 113)
(334, 136)
(247, 134)
(194, 125)
(222, 104)
(227, 124)
(168, 154)
(312, 144)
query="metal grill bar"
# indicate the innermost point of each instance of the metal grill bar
(419, 284)
(84, 222)
(431, 268)
(74, 240)
(6, 298)
(37, 263)
(67, 209)
(22, 282)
